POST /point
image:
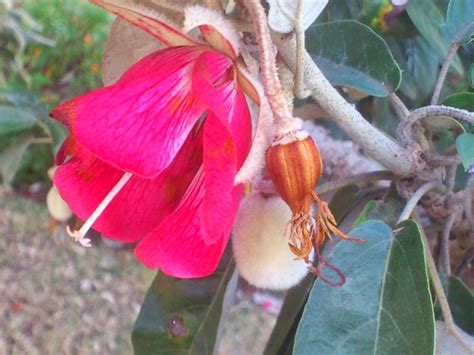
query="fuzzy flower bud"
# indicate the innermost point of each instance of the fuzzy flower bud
(294, 166)
(261, 247)
(295, 169)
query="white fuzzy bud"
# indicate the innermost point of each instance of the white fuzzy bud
(260, 246)
(58, 209)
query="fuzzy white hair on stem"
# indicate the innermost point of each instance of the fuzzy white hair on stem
(195, 16)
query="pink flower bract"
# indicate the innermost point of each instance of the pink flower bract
(179, 122)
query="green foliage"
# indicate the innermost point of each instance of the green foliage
(461, 303)
(385, 305)
(352, 62)
(182, 316)
(50, 53)
(419, 64)
(465, 147)
(459, 26)
(13, 120)
(427, 15)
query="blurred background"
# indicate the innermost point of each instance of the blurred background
(56, 297)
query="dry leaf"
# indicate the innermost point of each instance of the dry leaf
(125, 46)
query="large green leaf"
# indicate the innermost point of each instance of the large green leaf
(427, 17)
(351, 54)
(281, 339)
(459, 26)
(182, 316)
(13, 120)
(10, 157)
(385, 305)
(465, 147)
(461, 303)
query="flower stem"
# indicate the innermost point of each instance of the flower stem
(412, 202)
(282, 116)
(442, 73)
(438, 289)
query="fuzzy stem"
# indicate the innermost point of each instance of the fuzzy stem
(438, 289)
(442, 73)
(450, 178)
(369, 177)
(300, 90)
(272, 86)
(375, 143)
(412, 202)
(399, 107)
(404, 130)
(448, 224)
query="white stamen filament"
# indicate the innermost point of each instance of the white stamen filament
(79, 235)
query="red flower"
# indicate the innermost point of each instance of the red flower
(154, 156)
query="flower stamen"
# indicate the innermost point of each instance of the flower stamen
(79, 235)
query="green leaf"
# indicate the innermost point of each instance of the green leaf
(464, 100)
(443, 124)
(14, 120)
(351, 54)
(471, 76)
(419, 64)
(385, 305)
(57, 132)
(10, 157)
(281, 339)
(427, 16)
(182, 316)
(459, 26)
(461, 303)
(364, 215)
(465, 147)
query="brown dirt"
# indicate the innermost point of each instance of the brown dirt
(60, 298)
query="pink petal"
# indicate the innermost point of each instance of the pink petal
(139, 123)
(140, 205)
(214, 83)
(200, 225)
(137, 15)
(176, 246)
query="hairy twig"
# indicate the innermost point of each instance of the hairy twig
(365, 178)
(419, 193)
(438, 289)
(440, 159)
(466, 260)
(450, 178)
(442, 73)
(404, 130)
(448, 225)
(375, 143)
(272, 86)
(399, 107)
(300, 90)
